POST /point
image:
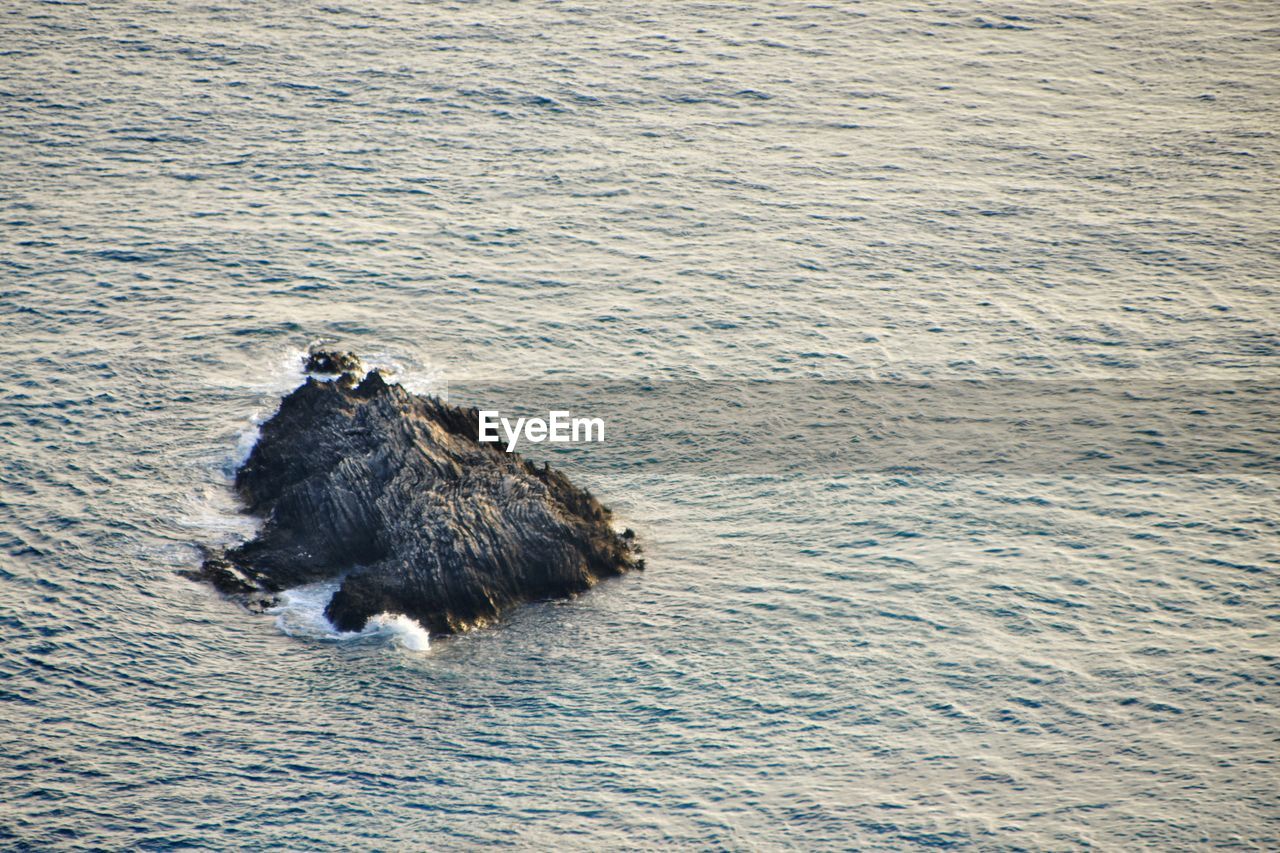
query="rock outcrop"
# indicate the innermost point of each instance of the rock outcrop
(360, 479)
(328, 361)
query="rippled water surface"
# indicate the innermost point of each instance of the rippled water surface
(819, 655)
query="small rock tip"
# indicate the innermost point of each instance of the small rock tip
(320, 360)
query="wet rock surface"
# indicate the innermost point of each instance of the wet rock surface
(331, 361)
(360, 479)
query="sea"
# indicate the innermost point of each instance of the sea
(937, 347)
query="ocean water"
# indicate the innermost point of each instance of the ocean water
(886, 641)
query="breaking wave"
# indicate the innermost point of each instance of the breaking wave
(300, 613)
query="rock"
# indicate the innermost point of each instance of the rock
(224, 576)
(331, 361)
(392, 492)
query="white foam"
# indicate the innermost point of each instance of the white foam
(245, 441)
(278, 375)
(400, 629)
(300, 613)
(281, 375)
(415, 378)
(212, 509)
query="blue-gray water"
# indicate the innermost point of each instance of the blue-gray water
(819, 655)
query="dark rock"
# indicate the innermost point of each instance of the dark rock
(224, 576)
(331, 361)
(392, 492)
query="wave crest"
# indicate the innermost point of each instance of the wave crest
(300, 613)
